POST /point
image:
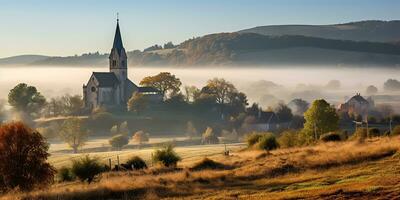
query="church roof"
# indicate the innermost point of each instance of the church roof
(118, 40)
(106, 79)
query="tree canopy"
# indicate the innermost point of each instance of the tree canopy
(23, 158)
(165, 82)
(320, 118)
(26, 99)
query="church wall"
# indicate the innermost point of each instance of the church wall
(91, 96)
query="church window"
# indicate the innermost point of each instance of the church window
(114, 63)
(93, 89)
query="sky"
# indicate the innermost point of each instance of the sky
(62, 28)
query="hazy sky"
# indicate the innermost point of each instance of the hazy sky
(55, 27)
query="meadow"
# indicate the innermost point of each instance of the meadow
(335, 170)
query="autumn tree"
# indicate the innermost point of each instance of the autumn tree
(209, 137)
(226, 96)
(140, 137)
(73, 133)
(26, 99)
(320, 118)
(137, 103)
(165, 82)
(23, 158)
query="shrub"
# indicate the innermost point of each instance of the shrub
(252, 139)
(65, 174)
(267, 142)
(166, 156)
(209, 137)
(207, 163)
(23, 158)
(119, 141)
(135, 163)
(288, 139)
(374, 132)
(331, 137)
(86, 168)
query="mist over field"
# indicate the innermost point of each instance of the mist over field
(265, 85)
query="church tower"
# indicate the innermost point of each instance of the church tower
(118, 63)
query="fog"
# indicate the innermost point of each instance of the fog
(267, 85)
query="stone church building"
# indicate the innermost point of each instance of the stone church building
(113, 89)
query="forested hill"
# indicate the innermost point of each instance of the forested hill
(373, 30)
(251, 48)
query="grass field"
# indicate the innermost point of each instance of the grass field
(343, 170)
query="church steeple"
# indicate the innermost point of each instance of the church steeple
(118, 40)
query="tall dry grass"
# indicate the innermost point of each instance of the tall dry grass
(156, 183)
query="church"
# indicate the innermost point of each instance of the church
(113, 89)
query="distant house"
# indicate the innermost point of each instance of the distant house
(113, 89)
(268, 121)
(357, 105)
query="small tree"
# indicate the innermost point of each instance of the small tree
(119, 141)
(137, 103)
(140, 137)
(73, 133)
(86, 168)
(320, 118)
(209, 137)
(23, 158)
(166, 156)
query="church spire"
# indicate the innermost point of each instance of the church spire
(117, 39)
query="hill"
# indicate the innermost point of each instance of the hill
(375, 31)
(343, 170)
(22, 59)
(256, 49)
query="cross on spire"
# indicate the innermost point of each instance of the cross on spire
(117, 17)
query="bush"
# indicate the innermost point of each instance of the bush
(119, 141)
(166, 156)
(135, 163)
(207, 163)
(252, 139)
(331, 137)
(23, 158)
(289, 139)
(267, 142)
(65, 174)
(86, 168)
(374, 132)
(209, 137)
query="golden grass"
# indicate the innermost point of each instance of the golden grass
(326, 171)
